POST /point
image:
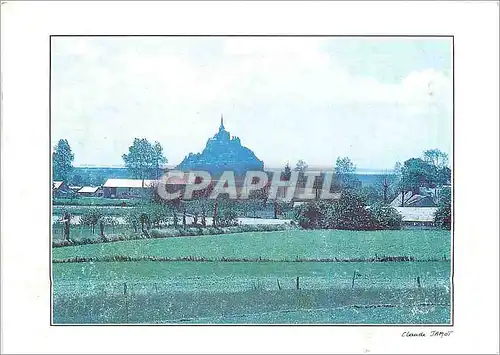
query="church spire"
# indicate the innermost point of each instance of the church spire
(221, 128)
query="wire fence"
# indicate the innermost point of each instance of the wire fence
(80, 232)
(162, 301)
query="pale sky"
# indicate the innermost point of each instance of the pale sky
(376, 100)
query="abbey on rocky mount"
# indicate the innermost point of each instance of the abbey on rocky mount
(222, 152)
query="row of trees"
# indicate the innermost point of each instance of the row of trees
(144, 160)
(153, 215)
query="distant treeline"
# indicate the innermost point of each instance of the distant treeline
(96, 176)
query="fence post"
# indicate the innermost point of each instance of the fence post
(126, 301)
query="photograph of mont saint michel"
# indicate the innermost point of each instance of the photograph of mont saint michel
(251, 180)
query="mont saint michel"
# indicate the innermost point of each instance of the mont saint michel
(222, 152)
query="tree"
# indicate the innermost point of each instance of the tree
(62, 161)
(442, 217)
(77, 180)
(143, 158)
(345, 171)
(443, 176)
(439, 160)
(287, 173)
(372, 193)
(203, 218)
(397, 169)
(385, 188)
(159, 158)
(91, 218)
(301, 166)
(67, 220)
(417, 173)
(436, 157)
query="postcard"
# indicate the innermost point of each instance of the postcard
(251, 180)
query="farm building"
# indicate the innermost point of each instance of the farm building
(126, 188)
(60, 189)
(90, 191)
(75, 188)
(413, 200)
(417, 216)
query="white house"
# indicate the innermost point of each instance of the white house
(126, 188)
(90, 191)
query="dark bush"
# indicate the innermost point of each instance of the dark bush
(442, 217)
(312, 214)
(385, 216)
(349, 212)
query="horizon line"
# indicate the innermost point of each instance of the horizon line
(312, 168)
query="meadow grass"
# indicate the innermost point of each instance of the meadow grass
(278, 245)
(254, 306)
(81, 235)
(240, 275)
(215, 288)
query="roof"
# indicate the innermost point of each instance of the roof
(397, 200)
(411, 200)
(88, 189)
(130, 183)
(417, 214)
(57, 184)
(414, 199)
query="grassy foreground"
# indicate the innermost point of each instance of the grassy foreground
(264, 289)
(375, 306)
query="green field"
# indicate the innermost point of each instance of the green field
(289, 244)
(259, 292)
(238, 276)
